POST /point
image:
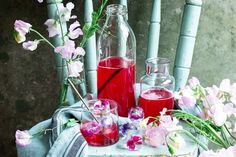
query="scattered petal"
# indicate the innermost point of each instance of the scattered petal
(23, 138)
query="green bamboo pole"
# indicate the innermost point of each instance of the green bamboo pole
(185, 48)
(154, 30)
(90, 56)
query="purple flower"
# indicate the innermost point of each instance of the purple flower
(53, 27)
(74, 68)
(30, 45)
(136, 113)
(125, 128)
(74, 30)
(23, 138)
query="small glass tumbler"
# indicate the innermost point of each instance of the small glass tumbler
(106, 131)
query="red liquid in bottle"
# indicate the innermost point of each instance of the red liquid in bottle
(104, 137)
(154, 100)
(116, 79)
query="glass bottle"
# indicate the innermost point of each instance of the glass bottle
(156, 87)
(116, 47)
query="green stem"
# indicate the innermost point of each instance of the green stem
(223, 135)
(193, 138)
(208, 127)
(42, 37)
(229, 132)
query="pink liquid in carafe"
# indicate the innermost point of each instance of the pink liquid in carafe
(154, 100)
(116, 79)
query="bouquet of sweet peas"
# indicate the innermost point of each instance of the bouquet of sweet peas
(71, 53)
(210, 111)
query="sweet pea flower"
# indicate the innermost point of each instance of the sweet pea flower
(23, 138)
(155, 136)
(30, 45)
(66, 50)
(225, 85)
(22, 27)
(74, 68)
(217, 114)
(74, 30)
(193, 82)
(133, 142)
(53, 27)
(19, 37)
(214, 90)
(187, 101)
(78, 51)
(65, 12)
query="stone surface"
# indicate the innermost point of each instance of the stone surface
(28, 83)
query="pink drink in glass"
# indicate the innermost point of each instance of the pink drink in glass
(154, 100)
(116, 79)
(97, 135)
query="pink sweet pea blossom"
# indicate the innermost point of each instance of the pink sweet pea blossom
(78, 51)
(193, 82)
(65, 12)
(74, 30)
(74, 68)
(217, 114)
(22, 27)
(155, 136)
(30, 45)
(23, 138)
(66, 50)
(53, 27)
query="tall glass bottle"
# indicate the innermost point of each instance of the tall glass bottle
(157, 87)
(117, 54)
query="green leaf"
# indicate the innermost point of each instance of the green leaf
(70, 123)
(171, 149)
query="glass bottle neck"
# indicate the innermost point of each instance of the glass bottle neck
(116, 10)
(157, 66)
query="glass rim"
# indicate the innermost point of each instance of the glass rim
(116, 8)
(159, 60)
(112, 103)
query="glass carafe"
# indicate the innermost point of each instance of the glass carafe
(156, 87)
(116, 47)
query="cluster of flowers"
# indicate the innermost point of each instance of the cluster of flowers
(68, 50)
(216, 106)
(160, 132)
(213, 103)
